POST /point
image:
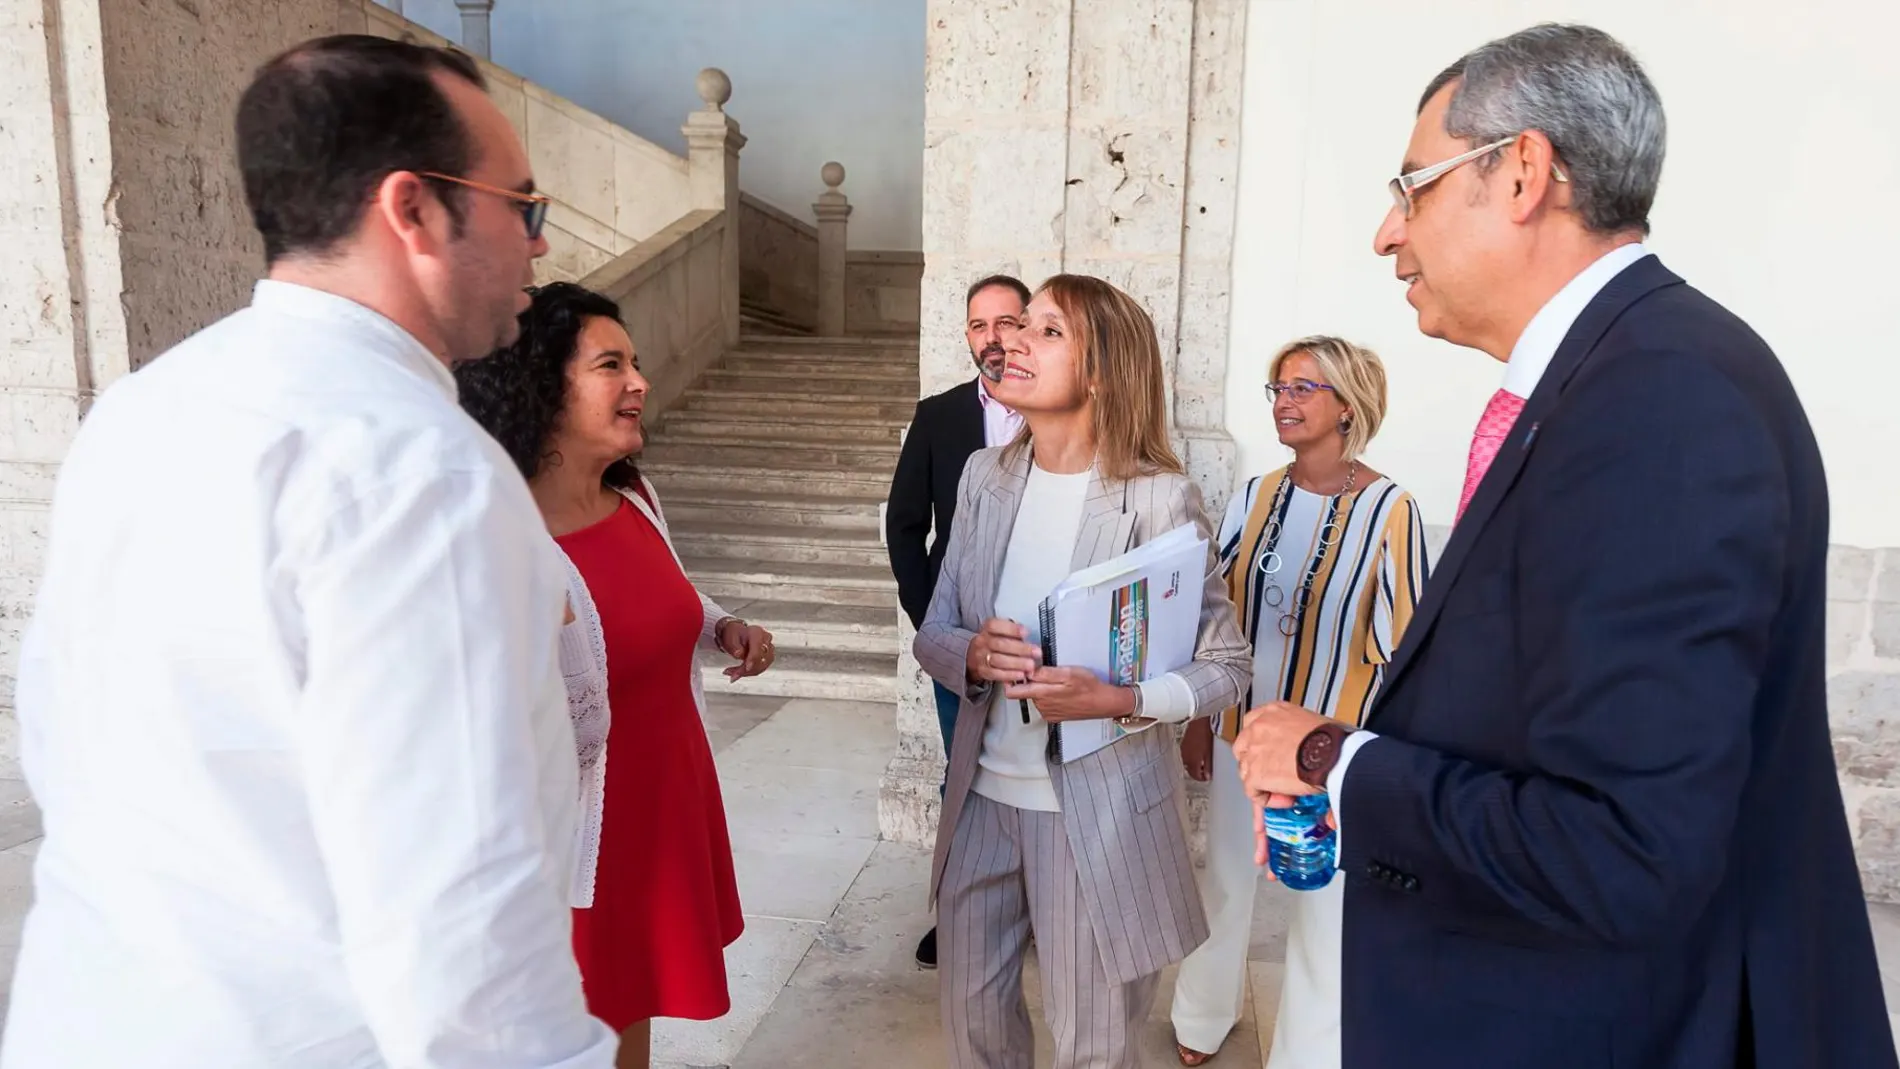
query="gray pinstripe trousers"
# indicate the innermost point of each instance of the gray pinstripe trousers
(1010, 871)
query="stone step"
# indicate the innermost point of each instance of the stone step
(687, 474)
(754, 507)
(812, 625)
(806, 343)
(773, 545)
(734, 582)
(869, 359)
(775, 403)
(872, 382)
(894, 369)
(756, 317)
(760, 427)
(755, 325)
(868, 677)
(808, 387)
(862, 458)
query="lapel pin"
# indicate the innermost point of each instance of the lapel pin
(1530, 435)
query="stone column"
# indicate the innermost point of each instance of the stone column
(832, 210)
(124, 222)
(474, 25)
(713, 142)
(1091, 136)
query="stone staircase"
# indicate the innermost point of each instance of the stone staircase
(773, 470)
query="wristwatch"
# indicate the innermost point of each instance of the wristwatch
(1319, 752)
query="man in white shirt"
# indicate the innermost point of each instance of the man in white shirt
(290, 699)
(945, 430)
(1593, 819)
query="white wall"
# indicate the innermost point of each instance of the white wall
(1780, 198)
(813, 80)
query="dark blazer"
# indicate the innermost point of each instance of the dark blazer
(946, 429)
(1601, 826)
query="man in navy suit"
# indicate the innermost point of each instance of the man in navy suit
(1593, 819)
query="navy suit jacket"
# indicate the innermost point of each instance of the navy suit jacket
(1601, 826)
(945, 430)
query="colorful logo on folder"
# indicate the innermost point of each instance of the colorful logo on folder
(1128, 634)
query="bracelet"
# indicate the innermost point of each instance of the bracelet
(719, 629)
(1134, 717)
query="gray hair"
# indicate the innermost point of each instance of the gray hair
(1584, 91)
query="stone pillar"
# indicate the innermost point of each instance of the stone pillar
(1091, 136)
(713, 142)
(124, 222)
(832, 210)
(474, 25)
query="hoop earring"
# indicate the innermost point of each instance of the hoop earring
(1345, 426)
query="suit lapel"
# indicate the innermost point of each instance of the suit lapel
(1107, 523)
(996, 516)
(1634, 282)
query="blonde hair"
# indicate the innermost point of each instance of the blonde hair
(1356, 376)
(1121, 368)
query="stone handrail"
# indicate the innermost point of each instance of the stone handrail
(778, 261)
(611, 188)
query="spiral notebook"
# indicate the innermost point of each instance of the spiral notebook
(1128, 620)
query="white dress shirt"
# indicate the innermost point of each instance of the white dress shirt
(1000, 422)
(291, 704)
(1522, 372)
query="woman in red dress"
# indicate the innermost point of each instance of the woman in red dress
(565, 401)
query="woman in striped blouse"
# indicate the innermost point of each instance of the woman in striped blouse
(1325, 560)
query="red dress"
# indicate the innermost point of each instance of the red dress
(666, 904)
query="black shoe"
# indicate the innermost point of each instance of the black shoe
(927, 950)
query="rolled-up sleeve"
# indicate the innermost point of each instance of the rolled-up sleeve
(434, 774)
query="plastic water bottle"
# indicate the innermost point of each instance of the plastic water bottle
(1301, 846)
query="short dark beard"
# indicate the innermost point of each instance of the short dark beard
(991, 371)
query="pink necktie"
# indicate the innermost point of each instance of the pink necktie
(1493, 427)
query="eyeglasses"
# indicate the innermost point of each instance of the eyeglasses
(1301, 390)
(534, 206)
(1405, 186)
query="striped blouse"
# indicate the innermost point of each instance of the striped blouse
(1330, 658)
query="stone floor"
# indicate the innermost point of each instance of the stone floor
(823, 977)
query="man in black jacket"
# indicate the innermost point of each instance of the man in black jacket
(945, 430)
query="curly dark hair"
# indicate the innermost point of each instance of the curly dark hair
(517, 393)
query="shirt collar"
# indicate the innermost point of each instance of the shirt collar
(1546, 330)
(983, 397)
(374, 329)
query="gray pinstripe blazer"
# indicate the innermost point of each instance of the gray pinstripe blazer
(1123, 805)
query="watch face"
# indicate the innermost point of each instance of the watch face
(1317, 749)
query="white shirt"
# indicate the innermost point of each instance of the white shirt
(1522, 372)
(1013, 767)
(291, 704)
(1000, 422)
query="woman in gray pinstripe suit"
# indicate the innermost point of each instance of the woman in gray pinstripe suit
(1091, 856)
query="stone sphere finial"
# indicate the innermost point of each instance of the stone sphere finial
(833, 174)
(714, 88)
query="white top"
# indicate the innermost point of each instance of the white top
(291, 704)
(1014, 766)
(1533, 353)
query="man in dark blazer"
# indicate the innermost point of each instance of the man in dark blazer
(1593, 819)
(945, 430)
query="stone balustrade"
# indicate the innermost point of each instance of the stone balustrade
(611, 188)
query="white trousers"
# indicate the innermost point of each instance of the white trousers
(1211, 990)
